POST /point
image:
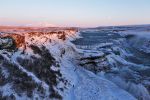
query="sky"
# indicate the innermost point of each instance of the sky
(82, 13)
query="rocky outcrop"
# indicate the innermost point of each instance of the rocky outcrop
(17, 40)
(6, 42)
(95, 63)
(11, 40)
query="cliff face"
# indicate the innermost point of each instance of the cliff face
(14, 40)
(29, 66)
(20, 40)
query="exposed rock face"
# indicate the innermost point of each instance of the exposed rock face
(61, 35)
(129, 36)
(95, 63)
(12, 40)
(32, 72)
(6, 43)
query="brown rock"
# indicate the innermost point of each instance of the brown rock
(13, 39)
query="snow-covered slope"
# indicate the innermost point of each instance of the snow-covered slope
(121, 58)
(45, 66)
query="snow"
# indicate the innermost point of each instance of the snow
(5, 72)
(145, 34)
(40, 24)
(83, 85)
(88, 86)
(92, 87)
(30, 74)
(6, 89)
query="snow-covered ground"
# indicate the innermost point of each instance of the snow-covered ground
(125, 57)
(48, 65)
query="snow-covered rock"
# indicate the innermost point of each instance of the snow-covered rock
(45, 66)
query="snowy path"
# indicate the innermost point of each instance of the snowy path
(92, 87)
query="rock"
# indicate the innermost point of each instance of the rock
(11, 41)
(6, 43)
(95, 63)
(61, 35)
(129, 36)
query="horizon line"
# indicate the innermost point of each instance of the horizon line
(73, 26)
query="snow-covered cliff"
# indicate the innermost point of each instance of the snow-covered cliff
(45, 66)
